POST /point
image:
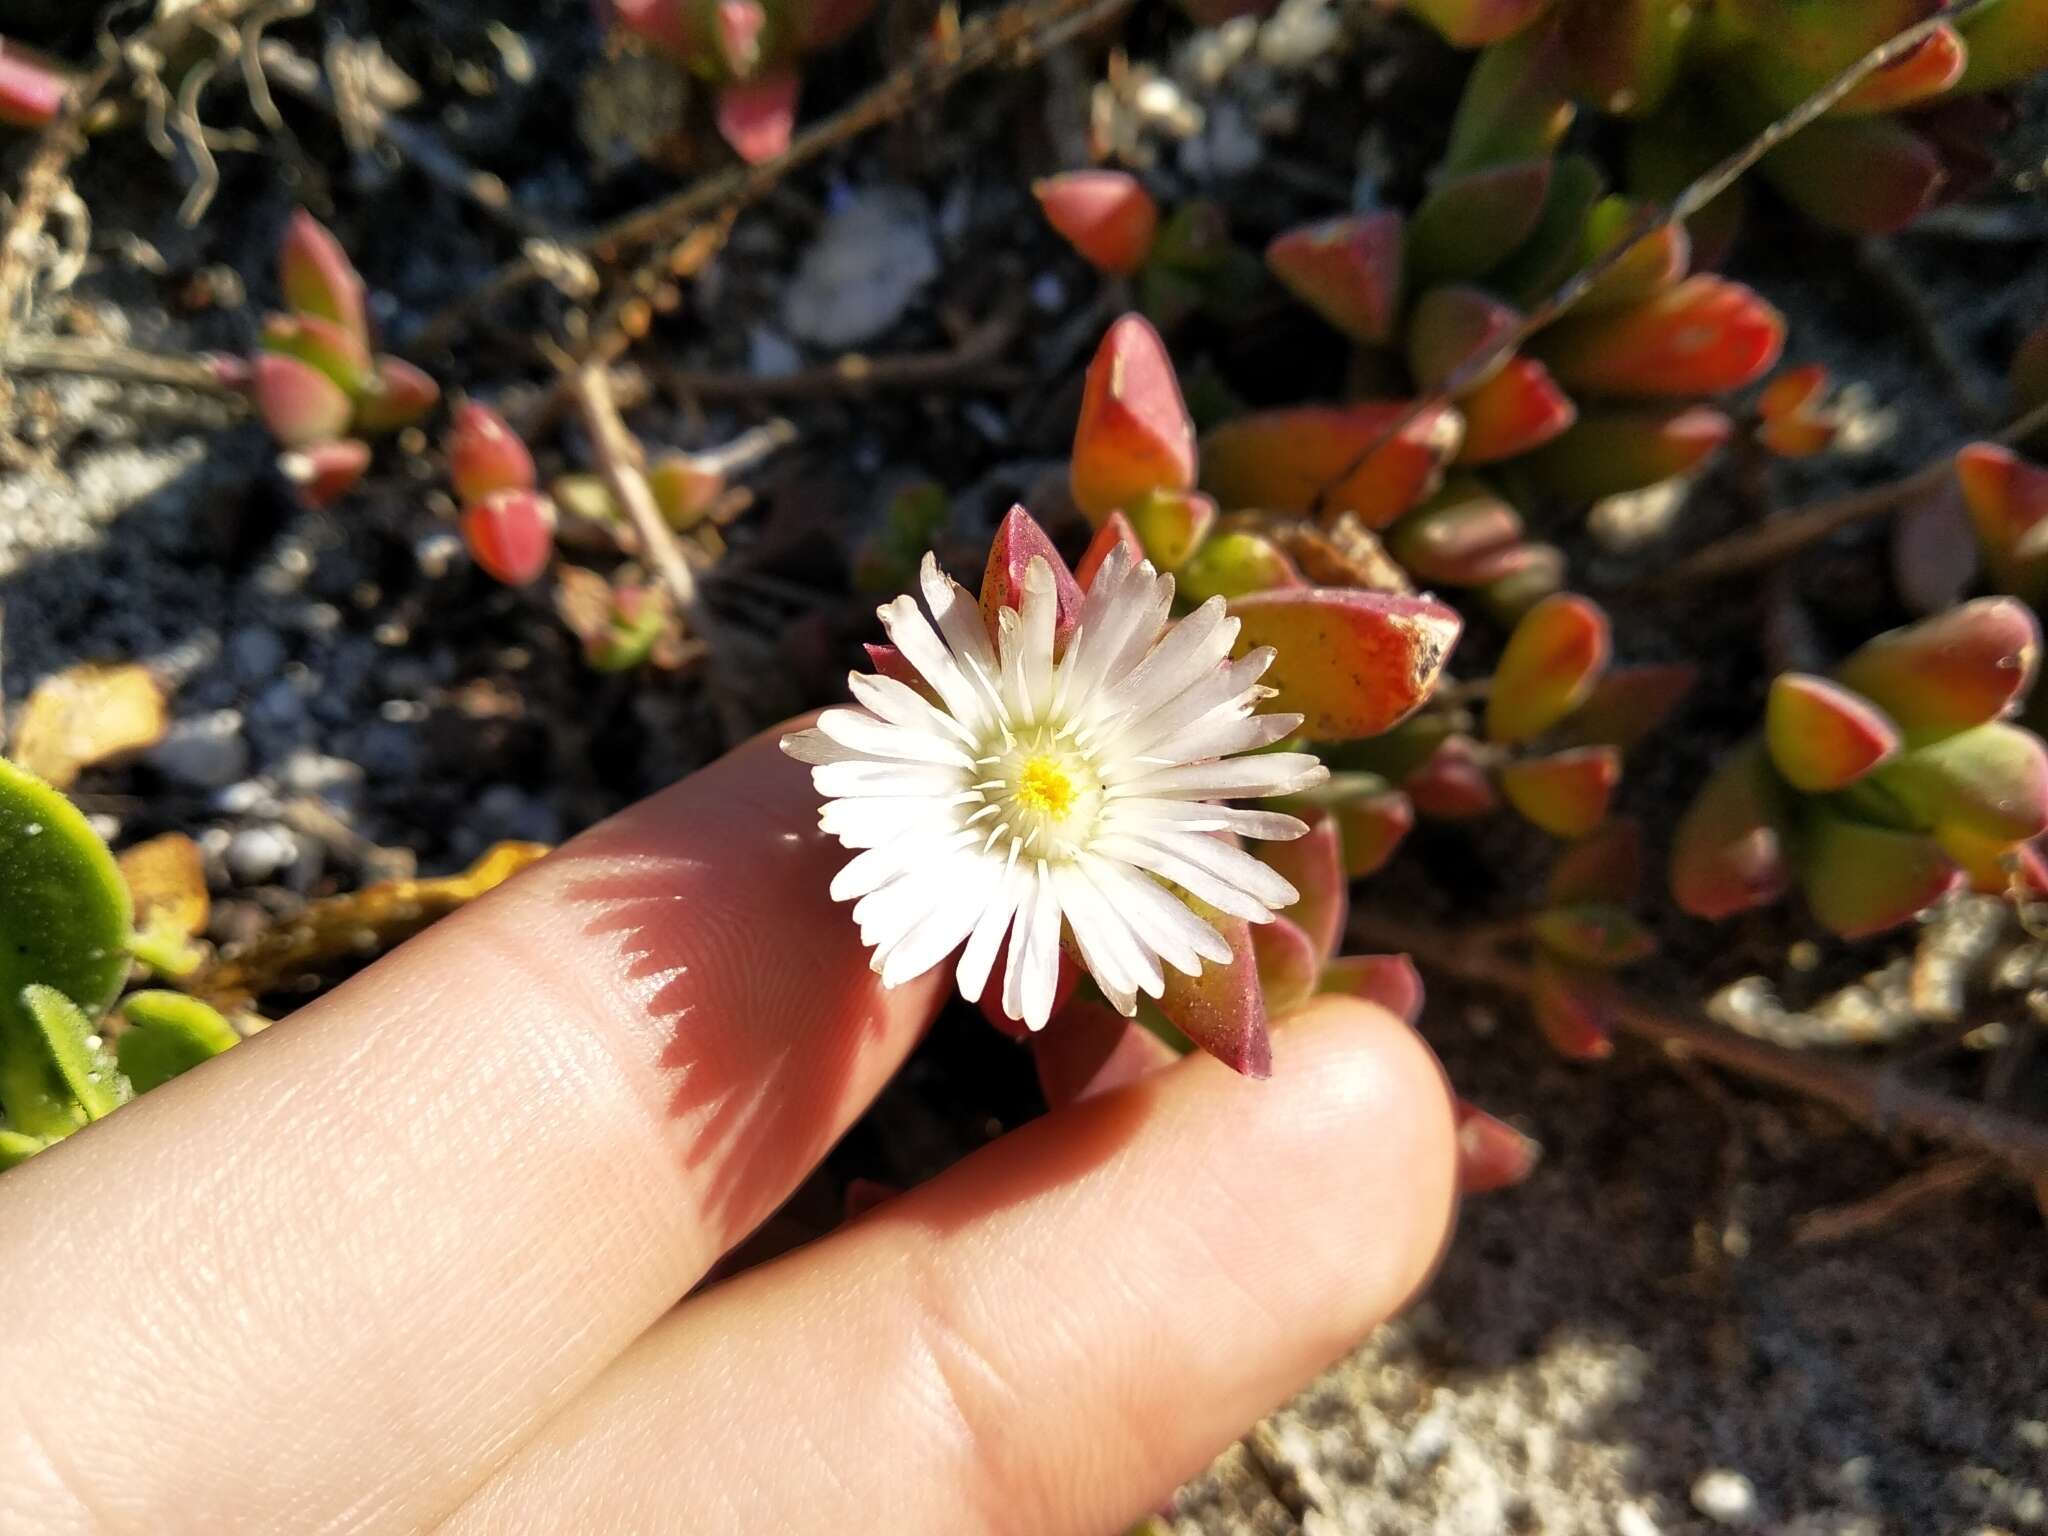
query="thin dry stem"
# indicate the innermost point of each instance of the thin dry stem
(1684, 205)
(1870, 1096)
(1789, 532)
(104, 360)
(1015, 33)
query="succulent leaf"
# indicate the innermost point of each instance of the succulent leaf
(1566, 793)
(1949, 672)
(1730, 855)
(1134, 435)
(1107, 216)
(1554, 657)
(1351, 663)
(1821, 736)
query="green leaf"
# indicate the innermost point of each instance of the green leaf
(169, 1033)
(66, 917)
(82, 1061)
(17, 1148)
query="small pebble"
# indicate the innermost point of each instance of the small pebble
(255, 854)
(871, 260)
(247, 798)
(206, 751)
(1725, 1497)
(256, 654)
(1634, 1520)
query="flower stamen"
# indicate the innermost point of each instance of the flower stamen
(1043, 786)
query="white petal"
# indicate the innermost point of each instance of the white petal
(837, 781)
(1189, 653)
(875, 868)
(979, 957)
(871, 821)
(1185, 873)
(1040, 611)
(942, 932)
(923, 649)
(1220, 859)
(1231, 691)
(1151, 618)
(901, 704)
(1138, 815)
(960, 621)
(863, 733)
(1028, 882)
(1159, 917)
(886, 915)
(816, 748)
(1042, 953)
(1112, 935)
(1214, 737)
(1268, 773)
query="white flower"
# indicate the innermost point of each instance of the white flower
(1044, 792)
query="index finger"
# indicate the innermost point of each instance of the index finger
(332, 1278)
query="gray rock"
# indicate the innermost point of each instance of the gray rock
(871, 260)
(205, 751)
(256, 854)
(256, 654)
(334, 779)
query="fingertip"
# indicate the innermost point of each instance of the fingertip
(1376, 1086)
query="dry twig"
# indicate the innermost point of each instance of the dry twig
(104, 360)
(699, 214)
(1831, 1224)
(1870, 1096)
(1789, 532)
(1684, 205)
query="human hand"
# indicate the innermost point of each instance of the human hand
(414, 1259)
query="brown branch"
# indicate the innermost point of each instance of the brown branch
(1688, 201)
(1013, 33)
(1870, 1096)
(622, 462)
(1831, 1224)
(966, 366)
(1789, 532)
(125, 365)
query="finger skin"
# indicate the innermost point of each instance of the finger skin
(330, 1279)
(1047, 1338)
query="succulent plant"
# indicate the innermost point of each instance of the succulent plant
(507, 524)
(1883, 787)
(68, 932)
(1696, 80)
(747, 51)
(31, 93)
(316, 382)
(1177, 263)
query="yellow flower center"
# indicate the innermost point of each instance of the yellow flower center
(1044, 786)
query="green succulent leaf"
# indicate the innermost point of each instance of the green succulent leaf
(84, 1066)
(18, 1148)
(169, 1033)
(66, 918)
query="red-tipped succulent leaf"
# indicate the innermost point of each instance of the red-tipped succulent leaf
(1606, 868)
(2007, 499)
(1352, 663)
(325, 472)
(1554, 657)
(1389, 980)
(1452, 784)
(1705, 336)
(30, 95)
(485, 454)
(1107, 216)
(1454, 325)
(1171, 526)
(1018, 541)
(1223, 1010)
(318, 278)
(1791, 423)
(1566, 793)
(1991, 780)
(1572, 1008)
(757, 117)
(1491, 1153)
(1289, 963)
(1612, 451)
(1466, 537)
(1314, 866)
(1348, 270)
(1949, 672)
(1729, 855)
(1630, 703)
(397, 395)
(298, 403)
(1294, 459)
(1090, 1048)
(1823, 737)
(1116, 530)
(1861, 879)
(1134, 435)
(1519, 409)
(1237, 564)
(511, 534)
